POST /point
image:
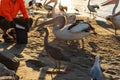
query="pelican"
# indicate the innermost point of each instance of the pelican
(70, 18)
(62, 8)
(48, 7)
(74, 31)
(53, 52)
(92, 8)
(96, 72)
(116, 19)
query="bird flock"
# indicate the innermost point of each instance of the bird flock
(66, 27)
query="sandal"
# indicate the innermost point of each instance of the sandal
(7, 39)
(13, 34)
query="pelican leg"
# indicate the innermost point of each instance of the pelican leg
(115, 31)
(94, 16)
(59, 64)
(90, 17)
(82, 43)
(54, 69)
(115, 28)
(90, 14)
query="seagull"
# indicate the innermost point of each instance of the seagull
(96, 72)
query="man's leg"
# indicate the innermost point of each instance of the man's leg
(27, 23)
(5, 25)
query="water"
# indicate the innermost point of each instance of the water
(81, 5)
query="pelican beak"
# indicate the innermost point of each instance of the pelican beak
(108, 2)
(40, 28)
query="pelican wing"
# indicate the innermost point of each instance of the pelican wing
(79, 28)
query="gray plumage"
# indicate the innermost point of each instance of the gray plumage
(54, 52)
(96, 72)
(92, 8)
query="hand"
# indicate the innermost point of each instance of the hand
(28, 22)
(5, 23)
(12, 24)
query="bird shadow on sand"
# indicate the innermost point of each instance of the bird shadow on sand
(35, 64)
(104, 25)
(117, 38)
(93, 46)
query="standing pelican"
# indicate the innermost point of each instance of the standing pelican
(96, 72)
(62, 8)
(92, 8)
(74, 31)
(52, 51)
(48, 7)
(114, 18)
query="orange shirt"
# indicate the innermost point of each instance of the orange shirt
(9, 9)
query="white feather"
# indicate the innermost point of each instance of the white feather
(116, 21)
(80, 27)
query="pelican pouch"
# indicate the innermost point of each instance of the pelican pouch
(21, 36)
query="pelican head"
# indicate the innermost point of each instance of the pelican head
(71, 19)
(57, 21)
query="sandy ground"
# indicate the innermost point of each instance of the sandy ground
(36, 65)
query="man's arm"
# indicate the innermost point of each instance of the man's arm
(23, 9)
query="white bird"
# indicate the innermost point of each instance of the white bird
(92, 8)
(74, 31)
(96, 72)
(115, 20)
